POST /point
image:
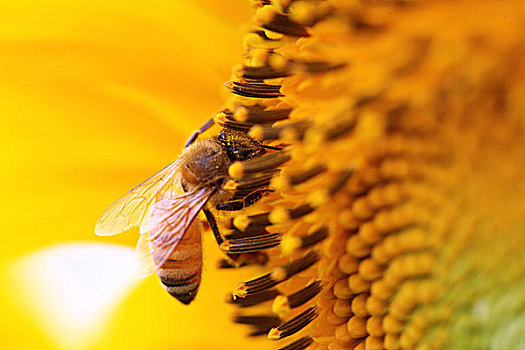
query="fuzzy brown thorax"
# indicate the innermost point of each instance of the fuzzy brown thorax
(205, 164)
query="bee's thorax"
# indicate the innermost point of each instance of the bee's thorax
(205, 164)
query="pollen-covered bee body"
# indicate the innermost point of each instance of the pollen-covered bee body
(238, 146)
(166, 205)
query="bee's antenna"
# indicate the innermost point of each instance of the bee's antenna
(209, 123)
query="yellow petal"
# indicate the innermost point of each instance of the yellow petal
(95, 97)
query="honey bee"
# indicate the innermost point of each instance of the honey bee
(166, 205)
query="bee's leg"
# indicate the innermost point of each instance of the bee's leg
(196, 133)
(213, 225)
(244, 202)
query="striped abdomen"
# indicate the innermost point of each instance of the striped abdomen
(181, 273)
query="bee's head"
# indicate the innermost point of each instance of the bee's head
(205, 163)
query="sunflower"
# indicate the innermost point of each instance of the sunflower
(400, 208)
(395, 222)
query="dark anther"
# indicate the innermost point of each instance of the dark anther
(277, 275)
(314, 237)
(254, 89)
(262, 34)
(252, 244)
(261, 324)
(301, 211)
(268, 133)
(299, 344)
(299, 298)
(294, 325)
(340, 129)
(282, 24)
(226, 120)
(258, 220)
(319, 67)
(261, 3)
(266, 162)
(344, 176)
(258, 114)
(264, 72)
(254, 299)
(254, 232)
(254, 182)
(306, 175)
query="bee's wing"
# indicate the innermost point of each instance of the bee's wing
(131, 208)
(166, 223)
(145, 264)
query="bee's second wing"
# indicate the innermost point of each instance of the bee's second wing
(145, 264)
(165, 225)
(131, 208)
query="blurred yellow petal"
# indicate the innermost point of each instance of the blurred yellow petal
(95, 97)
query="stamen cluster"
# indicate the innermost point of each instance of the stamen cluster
(399, 136)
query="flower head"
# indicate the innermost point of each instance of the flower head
(401, 207)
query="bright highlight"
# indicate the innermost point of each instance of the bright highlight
(72, 289)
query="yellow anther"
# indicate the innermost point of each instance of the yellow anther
(240, 292)
(277, 61)
(264, 15)
(278, 216)
(241, 114)
(280, 183)
(259, 57)
(318, 198)
(273, 35)
(313, 138)
(280, 305)
(241, 222)
(288, 135)
(256, 132)
(225, 246)
(236, 170)
(274, 334)
(231, 186)
(278, 274)
(290, 244)
(303, 11)
(219, 118)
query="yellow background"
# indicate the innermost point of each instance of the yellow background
(96, 96)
